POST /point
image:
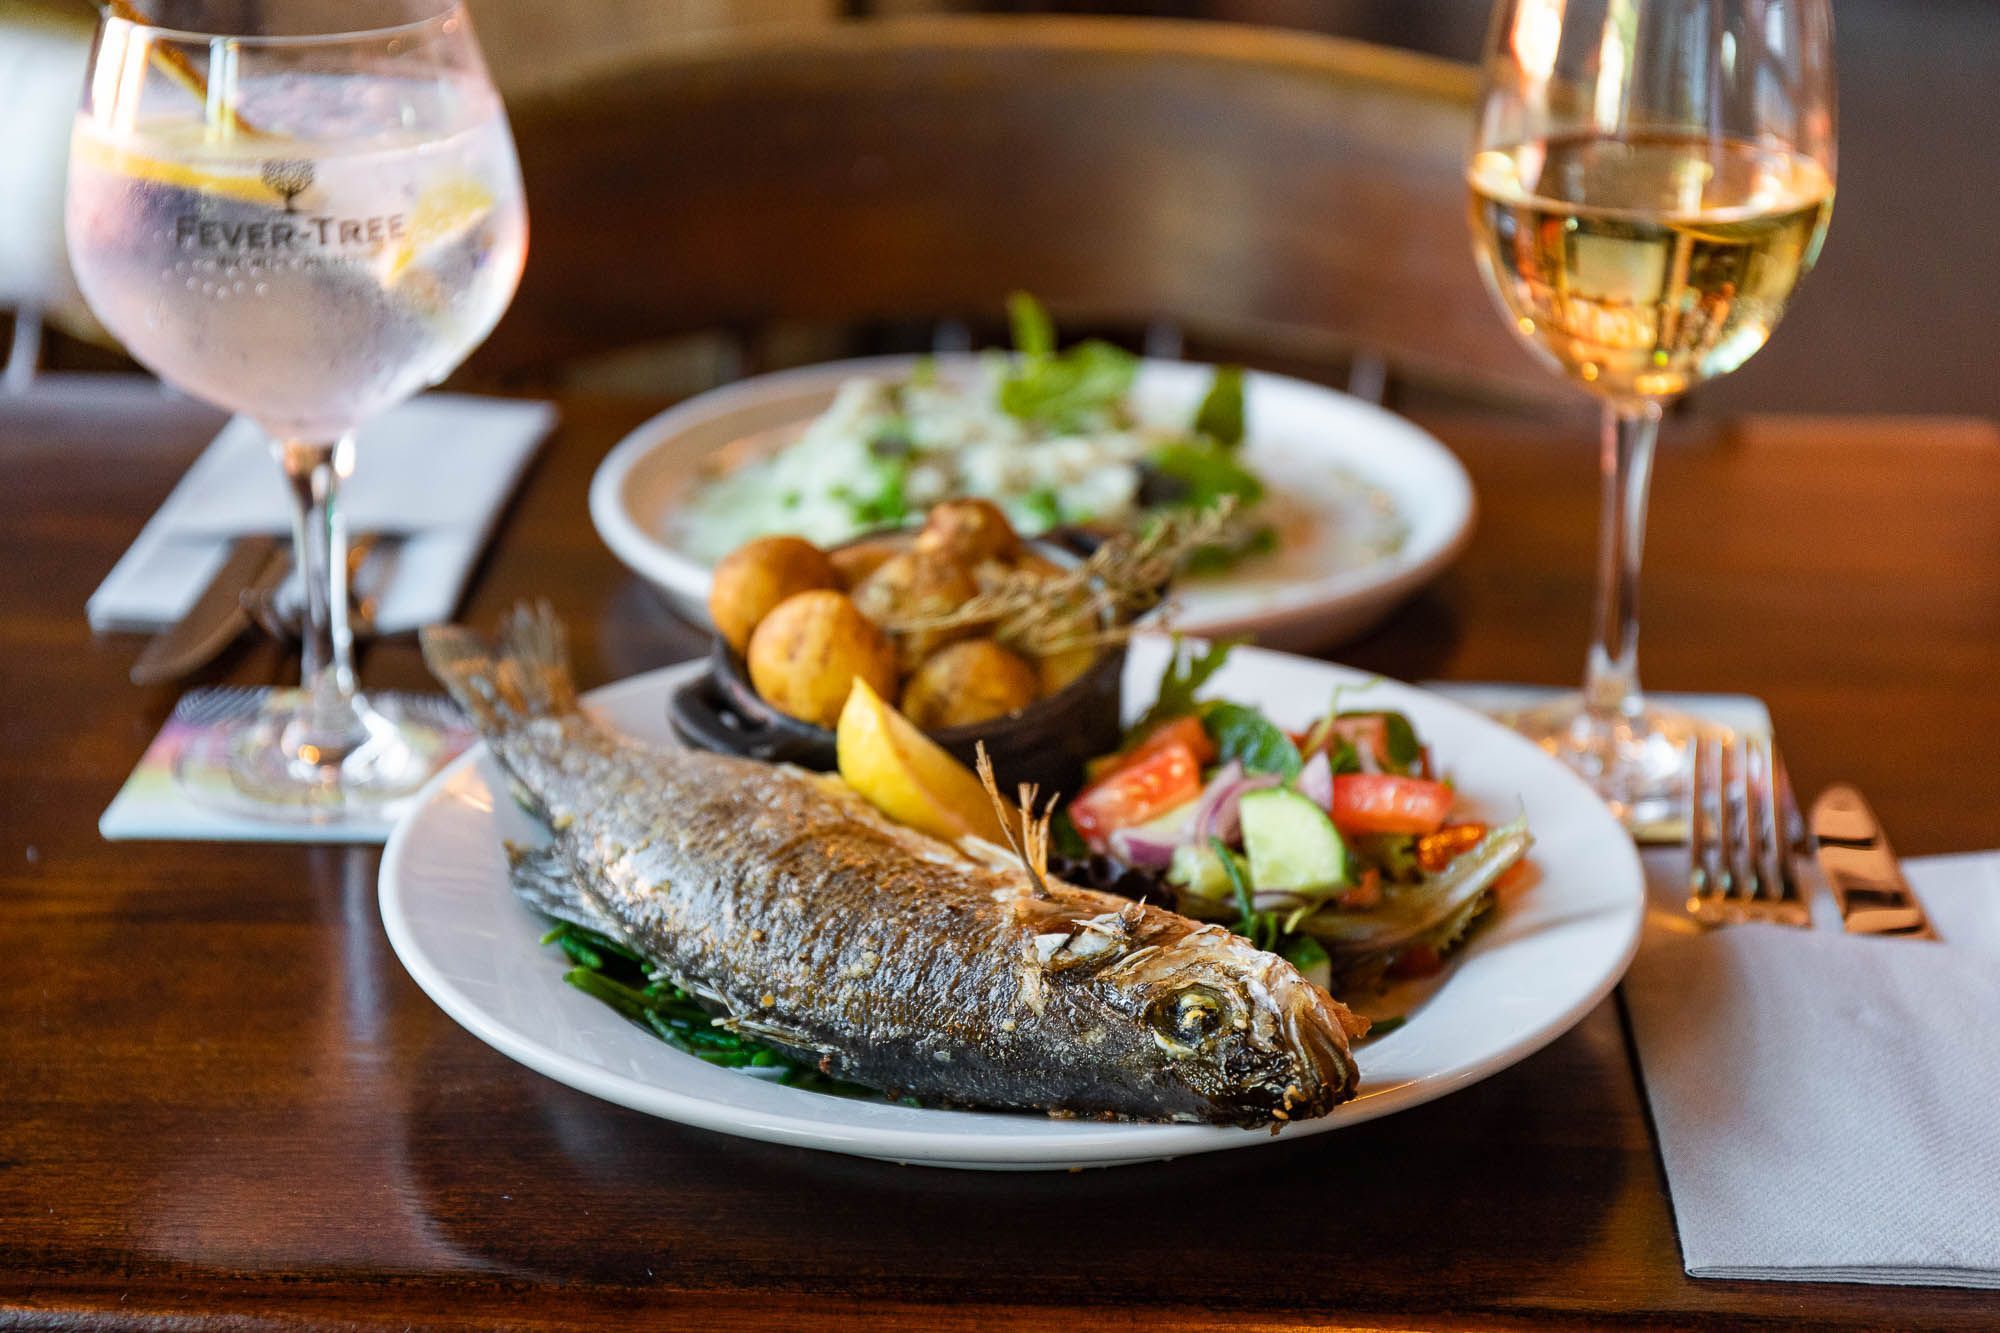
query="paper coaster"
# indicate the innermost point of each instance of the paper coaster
(160, 801)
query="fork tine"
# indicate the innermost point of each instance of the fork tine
(1739, 844)
(1788, 829)
(1730, 798)
(1701, 830)
(1758, 825)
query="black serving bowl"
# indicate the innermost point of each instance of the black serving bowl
(1046, 743)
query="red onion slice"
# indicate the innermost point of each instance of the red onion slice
(1217, 816)
(1150, 846)
(1316, 781)
(1142, 848)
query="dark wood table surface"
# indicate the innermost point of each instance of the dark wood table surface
(222, 1101)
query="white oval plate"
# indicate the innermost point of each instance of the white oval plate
(1531, 972)
(1301, 436)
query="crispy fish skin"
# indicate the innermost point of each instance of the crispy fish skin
(803, 918)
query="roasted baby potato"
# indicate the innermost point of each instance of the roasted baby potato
(805, 655)
(857, 560)
(912, 585)
(1058, 669)
(757, 576)
(969, 682)
(969, 531)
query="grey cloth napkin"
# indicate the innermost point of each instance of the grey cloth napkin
(434, 471)
(1828, 1105)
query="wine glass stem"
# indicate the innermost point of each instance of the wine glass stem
(1611, 677)
(328, 725)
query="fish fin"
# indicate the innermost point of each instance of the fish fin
(776, 1034)
(524, 675)
(1086, 942)
(544, 879)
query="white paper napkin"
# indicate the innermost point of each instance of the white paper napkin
(1828, 1105)
(435, 471)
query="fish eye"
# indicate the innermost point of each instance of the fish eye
(1187, 1018)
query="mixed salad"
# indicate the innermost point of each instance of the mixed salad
(1340, 847)
(1050, 435)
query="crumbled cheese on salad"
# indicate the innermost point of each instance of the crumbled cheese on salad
(886, 449)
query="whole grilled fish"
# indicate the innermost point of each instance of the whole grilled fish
(802, 918)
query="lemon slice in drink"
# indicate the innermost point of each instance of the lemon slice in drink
(444, 212)
(118, 160)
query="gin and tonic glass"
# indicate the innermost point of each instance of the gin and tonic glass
(304, 211)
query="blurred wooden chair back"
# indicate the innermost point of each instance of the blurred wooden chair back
(1289, 198)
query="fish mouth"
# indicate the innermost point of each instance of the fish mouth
(1317, 1031)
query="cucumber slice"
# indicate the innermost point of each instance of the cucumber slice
(1291, 843)
(1198, 873)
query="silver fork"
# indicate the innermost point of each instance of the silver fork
(1744, 832)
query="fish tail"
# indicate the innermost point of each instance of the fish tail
(523, 675)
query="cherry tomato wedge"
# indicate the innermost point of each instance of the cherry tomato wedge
(1136, 792)
(1186, 731)
(1384, 803)
(1419, 960)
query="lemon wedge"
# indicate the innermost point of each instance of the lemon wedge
(907, 775)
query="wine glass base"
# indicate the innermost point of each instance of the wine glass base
(1636, 761)
(254, 765)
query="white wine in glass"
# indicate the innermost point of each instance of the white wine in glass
(1651, 181)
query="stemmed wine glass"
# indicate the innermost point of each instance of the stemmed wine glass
(1651, 179)
(304, 211)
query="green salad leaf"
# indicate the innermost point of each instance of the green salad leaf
(1034, 331)
(1218, 556)
(1399, 740)
(1435, 910)
(1220, 416)
(1393, 854)
(1247, 736)
(885, 505)
(1303, 951)
(1199, 473)
(1238, 884)
(1072, 391)
(1187, 672)
(1045, 506)
(1061, 391)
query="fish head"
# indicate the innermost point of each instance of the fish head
(1245, 1029)
(1230, 1032)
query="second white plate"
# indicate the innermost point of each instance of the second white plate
(1301, 439)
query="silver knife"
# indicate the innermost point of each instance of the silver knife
(213, 622)
(1860, 866)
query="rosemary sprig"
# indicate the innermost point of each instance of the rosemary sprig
(1090, 603)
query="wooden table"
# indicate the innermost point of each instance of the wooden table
(224, 1101)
